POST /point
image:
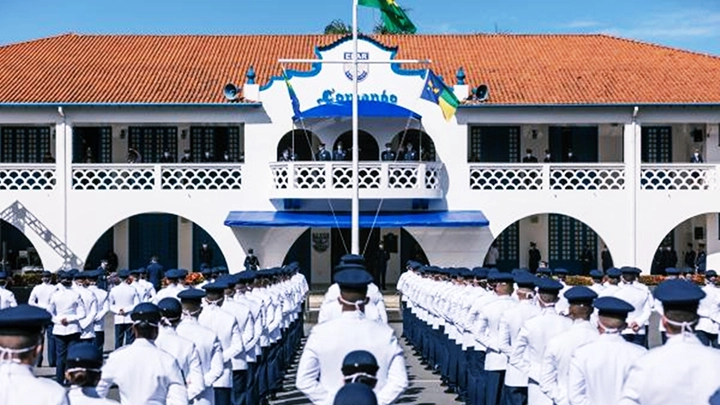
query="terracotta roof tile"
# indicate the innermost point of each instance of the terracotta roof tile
(519, 69)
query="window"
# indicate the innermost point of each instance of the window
(150, 142)
(494, 144)
(217, 141)
(24, 144)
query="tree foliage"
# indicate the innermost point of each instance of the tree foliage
(337, 27)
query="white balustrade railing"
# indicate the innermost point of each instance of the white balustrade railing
(371, 175)
(553, 176)
(679, 176)
(23, 176)
(167, 176)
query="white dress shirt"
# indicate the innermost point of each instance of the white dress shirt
(596, 377)
(7, 298)
(89, 301)
(87, 396)
(171, 290)
(123, 296)
(242, 315)
(210, 352)
(144, 375)
(145, 290)
(40, 295)
(226, 328)
(689, 374)
(251, 338)
(103, 306)
(511, 322)
(66, 305)
(639, 297)
(488, 331)
(319, 374)
(18, 385)
(555, 367)
(187, 357)
(709, 311)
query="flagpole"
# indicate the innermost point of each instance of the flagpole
(355, 209)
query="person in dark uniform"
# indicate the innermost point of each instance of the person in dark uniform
(587, 259)
(696, 157)
(689, 256)
(548, 156)
(251, 261)
(700, 258)
(167, 157)
(323, 154)
(206, 255)
(388, 155)
(207, 157)
(381, 261)
(606, 258)
(657, 263)
(529, 157)
(410, 153)
(339, 153)
(533, 257)
(156, 272)
(187, 157)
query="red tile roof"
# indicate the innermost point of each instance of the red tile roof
(519, 69)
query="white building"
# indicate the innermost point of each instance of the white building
(632, 114)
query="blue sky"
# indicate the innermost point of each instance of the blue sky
(687, 24)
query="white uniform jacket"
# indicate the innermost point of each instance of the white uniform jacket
(144, 374)
(488, 331)
(125, 297)
(596, 377)
(210, 352)
(510, 323)
(226, 328)
(18, 385)
(66, 304)
(683, 371)
(87, 396)
(319, 376)
(187, 357)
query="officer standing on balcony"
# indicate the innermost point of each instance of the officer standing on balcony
(388, 155)
(323, 155)
(339, 153)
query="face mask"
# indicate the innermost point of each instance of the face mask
(166, 154)
(66, 283)
(187, 155)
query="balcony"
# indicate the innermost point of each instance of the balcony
(553, 176)
(24, 176)
(679, 176)
(171, 176)
(375, 180)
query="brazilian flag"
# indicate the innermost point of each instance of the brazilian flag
(394, 18)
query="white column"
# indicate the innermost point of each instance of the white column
(712, 241)
(63, 159)
(632, 159)
(121, 239)
(185, 245)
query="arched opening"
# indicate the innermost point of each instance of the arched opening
(16, 250)
(693, 244)
(560, 240)
(175, 240)
(318, 250)
(302, 142)
(368, 146)
(421, 142)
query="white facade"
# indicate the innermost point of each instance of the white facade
(614, 196)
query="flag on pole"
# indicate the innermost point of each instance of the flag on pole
(437, 92)
(393, 16)
(293, 97)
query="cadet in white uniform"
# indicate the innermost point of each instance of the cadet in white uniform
(174, 286)
(683, 371)
(67, 309)
(7, 298)
(83, 373)
(89, 301)
(226, 328)
(533, 337)
(123, 298)
(562, 306)
(206, 343)
(512, 320)
(21, 330)
(709, 311)
(181, 349)
(488, 333)
(40, 297)
(319, 374)
(144, 373)
(558, 352)
(103, 306)
(597, 281)
(598, 369)
(639, 297)
(611, 285)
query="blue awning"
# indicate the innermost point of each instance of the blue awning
(366, 109)
(441, 219)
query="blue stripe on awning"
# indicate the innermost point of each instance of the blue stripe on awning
(441, 219)
(366, 109)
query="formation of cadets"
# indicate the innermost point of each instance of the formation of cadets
(522, 338)
(226, 342)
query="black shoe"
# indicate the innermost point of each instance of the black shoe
(459, 399)
(443, 384)
(449, 390)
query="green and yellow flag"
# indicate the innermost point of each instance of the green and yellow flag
(437, 92)
(394, 17)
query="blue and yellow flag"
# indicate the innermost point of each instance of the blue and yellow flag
(293, 97)
(437, 92)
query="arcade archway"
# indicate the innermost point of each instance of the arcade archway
(17, 252)
(304, 143)
(420, 140)
(369, 150)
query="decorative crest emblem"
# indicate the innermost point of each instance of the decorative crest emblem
(320, 241)
(363, 68)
